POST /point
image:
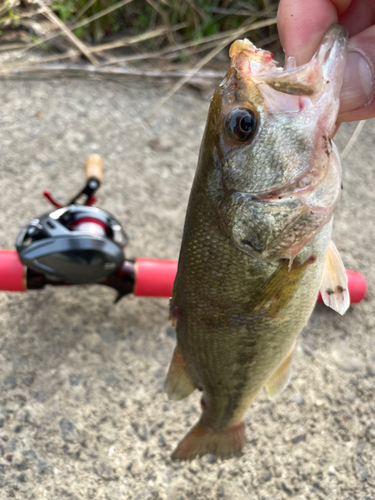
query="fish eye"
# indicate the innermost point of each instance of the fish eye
(242, 124)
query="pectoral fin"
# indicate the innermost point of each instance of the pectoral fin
(334, 287)
(178, 384)
(279, 289)
(280, 379)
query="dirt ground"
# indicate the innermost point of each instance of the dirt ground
(82, 409)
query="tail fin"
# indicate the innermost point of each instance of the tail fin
(199, 441)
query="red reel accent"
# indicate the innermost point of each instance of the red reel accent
(88, 219)
(51, 199)
(91, 201)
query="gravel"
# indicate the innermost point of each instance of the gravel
(83, 414)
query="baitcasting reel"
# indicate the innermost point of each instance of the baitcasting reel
(76, 244)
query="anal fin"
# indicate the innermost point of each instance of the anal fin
(280, 379)
(178, 384)
(334, 286)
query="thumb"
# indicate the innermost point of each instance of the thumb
(302, 24)
(357, 93)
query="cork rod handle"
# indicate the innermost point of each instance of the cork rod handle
(94, 167)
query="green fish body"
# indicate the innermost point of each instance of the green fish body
(256, 235)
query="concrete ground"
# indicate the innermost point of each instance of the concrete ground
(82, 410)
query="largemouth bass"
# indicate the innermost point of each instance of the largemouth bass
(256, 245)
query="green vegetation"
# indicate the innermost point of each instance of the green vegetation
(201, 17)
(148, 26)
(9, 15)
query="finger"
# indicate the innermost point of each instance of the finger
(302, 24)
(359, 16)
(357, 93)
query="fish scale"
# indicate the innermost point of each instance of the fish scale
(257, 232)
(261, 176)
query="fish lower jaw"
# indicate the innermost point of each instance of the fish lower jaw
(299, 188)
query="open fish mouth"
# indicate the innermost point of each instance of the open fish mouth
(305, 80)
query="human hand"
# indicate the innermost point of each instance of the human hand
(302, 24)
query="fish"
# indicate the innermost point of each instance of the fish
(256, 245)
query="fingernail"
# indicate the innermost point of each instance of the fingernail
(358, 86)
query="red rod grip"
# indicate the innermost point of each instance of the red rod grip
(12, 272)
(357, 287)
(154, 277)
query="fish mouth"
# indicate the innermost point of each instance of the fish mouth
(314, 178)
(287, 191)
(305, 80)
(299, 187)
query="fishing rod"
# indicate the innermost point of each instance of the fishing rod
(79, 244)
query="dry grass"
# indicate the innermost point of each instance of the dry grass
(149, 37)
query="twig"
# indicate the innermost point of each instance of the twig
(176, 48)
(54, 19)
(103, 47)
(135, 57)
(88, 20)
(180, 47)
(102, 13)
(136, 39)
(167, 54)
(83, 10)
(173, 54)
(228, 12)
(240, 31)
(8, 6)
(164, 17)
(11, 46)
(352, 140)
(248, 6)
(33, 13)
(77, 69)
(69, 54)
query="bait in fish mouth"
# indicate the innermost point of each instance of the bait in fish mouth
(257, 243)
